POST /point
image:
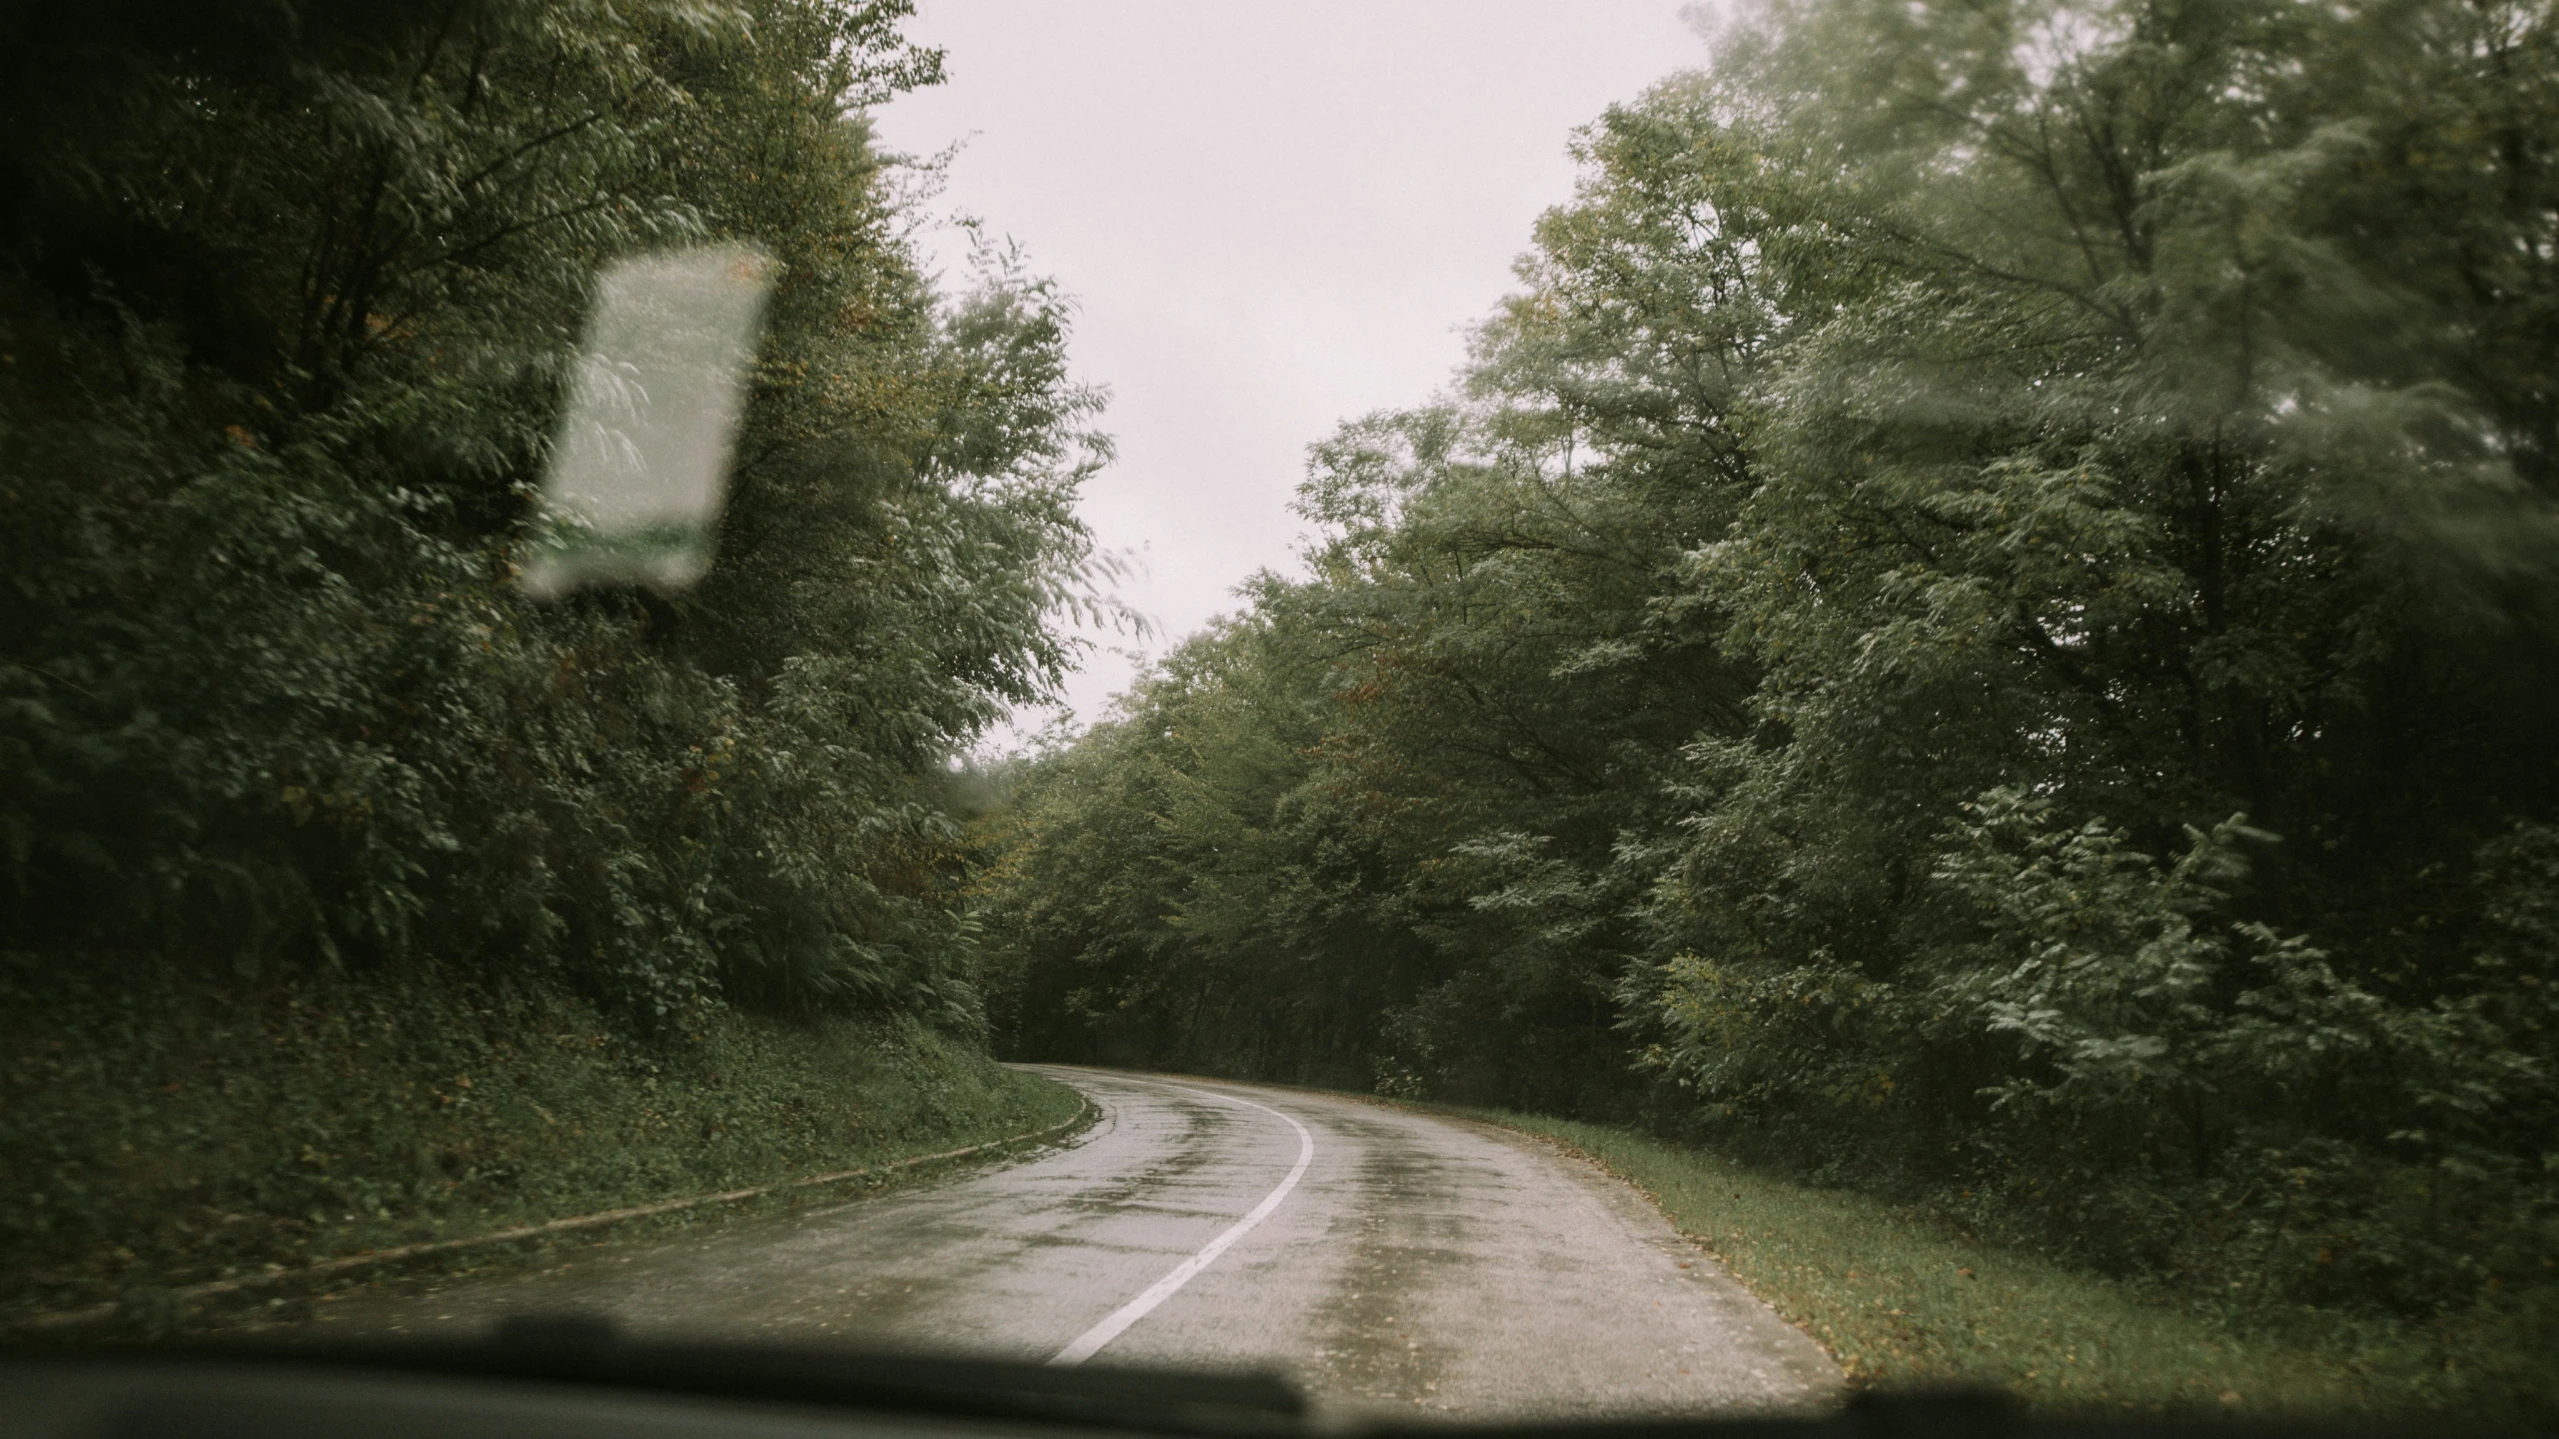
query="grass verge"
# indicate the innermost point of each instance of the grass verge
(163, 1139)
(1900, 1298)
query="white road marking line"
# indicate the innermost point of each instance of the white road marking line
(1091, 1340)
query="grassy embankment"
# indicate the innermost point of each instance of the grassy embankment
(1902, 1298)
(185, 1133)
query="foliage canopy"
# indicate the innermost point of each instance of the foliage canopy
(288, 300)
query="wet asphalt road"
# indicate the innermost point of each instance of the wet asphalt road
(1391, 1260)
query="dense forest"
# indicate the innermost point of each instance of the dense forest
(290, 294)
(289, 299)
(1984, 625)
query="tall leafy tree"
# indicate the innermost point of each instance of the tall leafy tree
(289, 294)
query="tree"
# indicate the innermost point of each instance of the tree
(289, 295)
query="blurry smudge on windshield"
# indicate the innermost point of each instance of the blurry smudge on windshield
(640, 466)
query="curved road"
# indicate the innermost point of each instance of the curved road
(1375, 1256)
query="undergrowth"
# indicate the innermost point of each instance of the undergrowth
(163, 1131)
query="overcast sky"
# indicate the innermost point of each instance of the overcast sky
(1274, 217)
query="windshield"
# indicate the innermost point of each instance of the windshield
(1517, 710)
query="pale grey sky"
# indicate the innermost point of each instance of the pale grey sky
(1274, 218)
